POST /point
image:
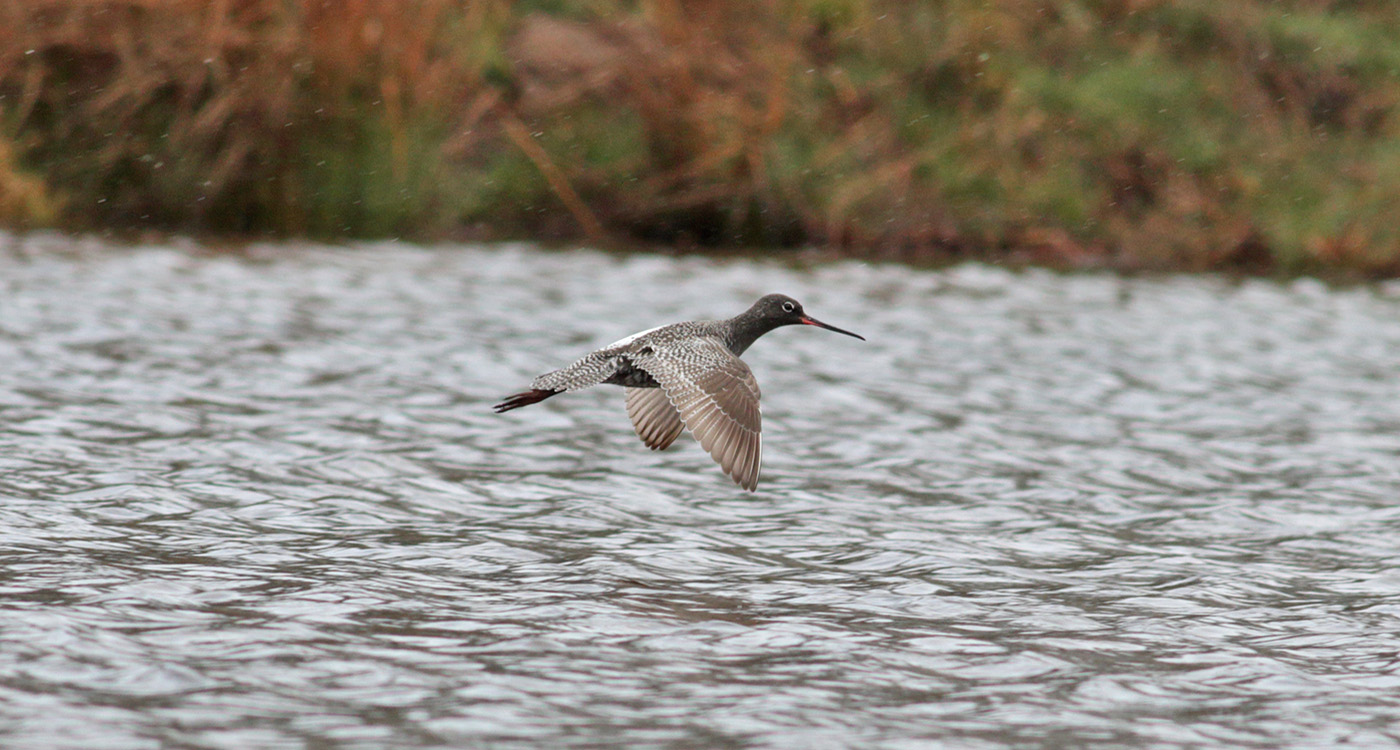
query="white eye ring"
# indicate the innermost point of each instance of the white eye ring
(789, 307)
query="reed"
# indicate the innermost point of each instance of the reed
(1192, 134)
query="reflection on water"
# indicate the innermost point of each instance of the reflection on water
(261, 501)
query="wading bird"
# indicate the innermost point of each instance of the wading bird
(686, 375)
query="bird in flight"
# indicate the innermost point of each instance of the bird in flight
(686, 376)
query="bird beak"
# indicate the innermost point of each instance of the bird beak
(819, 324)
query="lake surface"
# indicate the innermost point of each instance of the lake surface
(261, 501)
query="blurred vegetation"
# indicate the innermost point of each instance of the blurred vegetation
(1259, 135)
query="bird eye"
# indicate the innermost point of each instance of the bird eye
(789, 307)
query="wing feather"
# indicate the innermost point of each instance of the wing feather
(715, 395)
(656, 421)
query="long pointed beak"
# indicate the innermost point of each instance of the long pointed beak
(819, 324)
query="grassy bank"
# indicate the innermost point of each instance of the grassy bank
(1194, 134)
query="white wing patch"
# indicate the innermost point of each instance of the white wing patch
(624, 341)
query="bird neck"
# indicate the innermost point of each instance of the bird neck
(745, 328)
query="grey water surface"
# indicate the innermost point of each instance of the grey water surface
(260, 500)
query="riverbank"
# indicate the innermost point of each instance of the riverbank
(1252, 136)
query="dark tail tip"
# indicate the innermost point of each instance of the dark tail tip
(524, 398)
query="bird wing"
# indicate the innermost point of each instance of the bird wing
(656, 421)
(590, 370)
(593, 368)
(716, 396)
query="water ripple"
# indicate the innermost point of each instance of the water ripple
(259, 500)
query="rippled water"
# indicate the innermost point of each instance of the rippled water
(261, 501)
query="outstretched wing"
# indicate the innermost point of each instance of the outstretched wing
(588, 371)
(716, 396)
(656, 421)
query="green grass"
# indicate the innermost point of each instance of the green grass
(1183, 134)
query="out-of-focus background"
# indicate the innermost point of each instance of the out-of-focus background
(253, 493)
(1256, 135)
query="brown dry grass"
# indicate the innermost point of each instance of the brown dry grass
(1140, 133)
(197, 112)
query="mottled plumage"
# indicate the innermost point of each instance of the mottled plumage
(686, 375)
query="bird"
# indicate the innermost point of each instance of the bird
(686, 376)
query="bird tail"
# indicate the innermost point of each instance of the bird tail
(524, 398)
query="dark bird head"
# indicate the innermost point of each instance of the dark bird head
(776, 310)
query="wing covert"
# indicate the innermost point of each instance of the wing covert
(716, 397)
